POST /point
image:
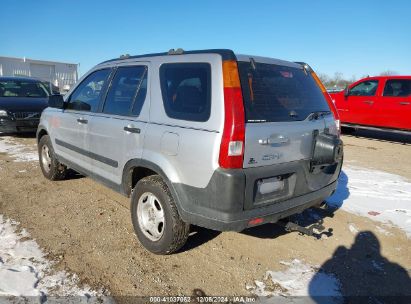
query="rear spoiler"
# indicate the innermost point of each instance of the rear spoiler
(305, 66)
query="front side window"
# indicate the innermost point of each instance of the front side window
(397, 88)
(127, 88)
(186, 90)
(87, 96)
(21, 88)
(365, 88)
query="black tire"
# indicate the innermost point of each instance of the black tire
(55, 170)
(175, 232)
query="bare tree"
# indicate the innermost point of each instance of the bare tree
(324, 78)
(388, 73)
(337, 81)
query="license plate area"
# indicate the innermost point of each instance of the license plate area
(271, 184)
(270, 190)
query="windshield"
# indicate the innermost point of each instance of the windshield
(21, 88)
(274, 93)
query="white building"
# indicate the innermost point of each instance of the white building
(62, 75)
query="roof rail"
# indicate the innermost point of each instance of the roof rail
(226, 54)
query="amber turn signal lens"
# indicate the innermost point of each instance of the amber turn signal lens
(318, 82)
(230, 74)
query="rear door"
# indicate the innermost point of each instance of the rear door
(283, 107)
(393, 109)
(116, 133)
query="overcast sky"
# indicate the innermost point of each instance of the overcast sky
(353, 37)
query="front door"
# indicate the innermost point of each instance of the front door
(360, 103)
(71, 125)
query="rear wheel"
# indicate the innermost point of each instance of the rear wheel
(52, 169)
(155, 218)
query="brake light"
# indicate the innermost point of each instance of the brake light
(329, 100)
(232, 142)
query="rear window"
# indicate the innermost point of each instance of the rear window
(274, 93)
(186, 89)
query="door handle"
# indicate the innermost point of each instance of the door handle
(368, 101)
(132, 129)
(274, 140)
(404, 103)
(82, 121)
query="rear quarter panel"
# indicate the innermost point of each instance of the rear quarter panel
(193, 156)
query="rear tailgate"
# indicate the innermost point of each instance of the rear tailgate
(279, 142)
(284, 108)
(279, 102)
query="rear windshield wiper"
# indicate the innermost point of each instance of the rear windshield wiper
(318, 114)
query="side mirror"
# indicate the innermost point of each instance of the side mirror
(346, 91)
(56, 101)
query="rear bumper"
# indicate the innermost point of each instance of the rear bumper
(229, 202)
(8, 125)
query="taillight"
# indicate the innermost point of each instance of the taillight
(232, 142)
(329, 100)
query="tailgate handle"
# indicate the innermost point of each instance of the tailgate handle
(274, 140)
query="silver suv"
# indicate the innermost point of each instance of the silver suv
(209, 138)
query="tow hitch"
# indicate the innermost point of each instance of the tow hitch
(315, 230)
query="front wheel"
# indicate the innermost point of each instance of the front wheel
(155, 217)
(52, 169)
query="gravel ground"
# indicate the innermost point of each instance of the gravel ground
(86, 228)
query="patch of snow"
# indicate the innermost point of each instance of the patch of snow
(298, 280)
(20, 153)
(383, 231)
(375, 194)
(25, 272)
(353, 228)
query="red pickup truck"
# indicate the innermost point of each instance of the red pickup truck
(376, 102)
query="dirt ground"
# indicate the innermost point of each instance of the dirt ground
(87, 229)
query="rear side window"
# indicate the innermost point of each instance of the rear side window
(274, 93)
(398, 87)
(365, 88)
(186, 90)
(125, 89)
(86, 97)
